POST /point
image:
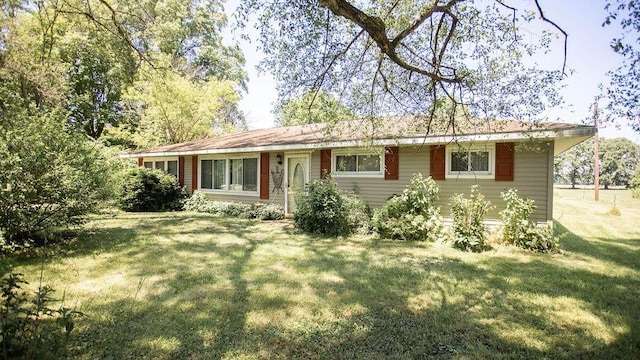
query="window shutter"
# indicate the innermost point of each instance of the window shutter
(140, 161)
(194, 173)
(181, 170)
(391, 163)
(325, 162)
(504, 161)
(264, 176)
(437, 162)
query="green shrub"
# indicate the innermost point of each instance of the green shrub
(519, 230)
(469, 231)
(198, 202)
(321, 209)
(49, 177)
(150, 190)
(412, 215)
(30, 326)
(358, 214)
(635, 193)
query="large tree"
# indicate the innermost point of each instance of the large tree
(618, 160)
(312, 107)
(624, 89)
(392, 57)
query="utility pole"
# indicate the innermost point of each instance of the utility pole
(597, 155)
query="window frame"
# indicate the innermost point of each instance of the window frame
(490, 149)
(335, 172)
(165, 164)
(227, 174)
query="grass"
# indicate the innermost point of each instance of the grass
(183, 285)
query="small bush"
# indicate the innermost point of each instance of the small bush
(322, 209)
(635, 193)
(150, 190)
(412, 215)
(519, 230)
(30, 327)
(358, 214)
(469, 231)
(198, 202)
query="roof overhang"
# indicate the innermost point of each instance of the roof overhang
(563, 138)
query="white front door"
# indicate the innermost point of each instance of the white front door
(297, 177)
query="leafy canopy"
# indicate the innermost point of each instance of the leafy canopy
(393, 57)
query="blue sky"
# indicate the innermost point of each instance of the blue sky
(589, 58)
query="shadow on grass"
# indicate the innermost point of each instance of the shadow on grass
(233, 294)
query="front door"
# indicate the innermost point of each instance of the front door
(297, 177)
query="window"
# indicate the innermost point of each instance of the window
(170, 166)
(357, 164)
(470, 162)
(240, 174)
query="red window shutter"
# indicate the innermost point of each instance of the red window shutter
(181, 170)
(194, 173)
(264, 176)
(504, 161)
(391, 163)
(437, 162)
(325, 162)
(140, 161)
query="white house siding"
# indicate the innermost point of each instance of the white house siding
(531, 178)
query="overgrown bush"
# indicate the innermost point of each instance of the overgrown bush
(198, 202)
(519, 230)
(321, 209)
(412, 215)
(468, 231)
(49, 177)
(31, 327)
(358, 214)
(150, 190)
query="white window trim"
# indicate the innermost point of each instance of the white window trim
(227, 174)
(165, 161)
(361, 174)
(490, 174)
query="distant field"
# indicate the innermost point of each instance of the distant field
(193, 286)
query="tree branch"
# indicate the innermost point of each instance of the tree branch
(566, 36)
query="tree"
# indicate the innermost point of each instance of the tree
(618, 160)
(576, 164)
(403, 57)
(623, 90)
(49, 176)
(175, 109)
(312, 107)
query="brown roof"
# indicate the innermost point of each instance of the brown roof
(354, 132)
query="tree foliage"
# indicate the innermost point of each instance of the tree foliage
(312, 107)
(623, 90)
(49, 176)
(406, 57)
(174, 108)
(618, 158)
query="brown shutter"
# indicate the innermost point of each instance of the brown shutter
(194, 173)
(438, 164)
(504, 161)
(264, 176)
(325, 162)
(181, 170)
(391, 163)
(140, 161)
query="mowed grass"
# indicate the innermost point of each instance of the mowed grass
(194, 286)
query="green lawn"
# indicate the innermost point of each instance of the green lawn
(183, 285)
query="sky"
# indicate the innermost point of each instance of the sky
(589, 57)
